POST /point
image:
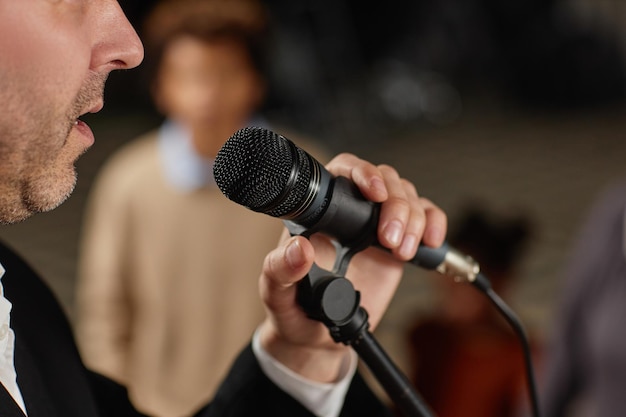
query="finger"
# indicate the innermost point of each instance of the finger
(436, 224)
(282, 268)
(415, 226)
(395, 211)
(365, 175)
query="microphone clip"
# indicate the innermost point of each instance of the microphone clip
(329, 297)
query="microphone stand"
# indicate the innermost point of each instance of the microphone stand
(331, 298)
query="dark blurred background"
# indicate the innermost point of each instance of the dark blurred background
(516, 105)
(340, 68)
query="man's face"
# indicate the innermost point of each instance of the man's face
(55, 56)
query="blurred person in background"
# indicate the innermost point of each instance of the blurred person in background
(585, 366)
(465, 358)
(164, 298)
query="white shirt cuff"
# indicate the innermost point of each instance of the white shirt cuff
(321, 399)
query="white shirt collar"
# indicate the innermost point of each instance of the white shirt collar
(8, 375)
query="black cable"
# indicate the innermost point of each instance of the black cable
(482, 283)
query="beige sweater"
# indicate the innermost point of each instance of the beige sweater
(167, 292)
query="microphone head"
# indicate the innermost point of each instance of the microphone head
(264, 172)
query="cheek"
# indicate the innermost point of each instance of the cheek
(241, 94)
(178, 101)
(44, 62)
(192, 96)
(240, 99)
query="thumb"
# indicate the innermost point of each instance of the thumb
(284, 267)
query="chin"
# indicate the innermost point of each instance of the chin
(48, 194)
(11, 216)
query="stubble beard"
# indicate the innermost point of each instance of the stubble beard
(47, 176)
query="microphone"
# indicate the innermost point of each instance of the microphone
(268, 173)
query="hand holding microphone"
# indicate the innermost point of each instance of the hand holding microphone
(266, 172)
(242, 169)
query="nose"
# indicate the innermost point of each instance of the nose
(117, 46)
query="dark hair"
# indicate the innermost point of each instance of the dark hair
(245, 21)
(496, 242)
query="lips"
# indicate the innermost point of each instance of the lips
(85, 133)
(84, 129)
(95, 108)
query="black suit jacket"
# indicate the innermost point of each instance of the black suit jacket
(55, 383)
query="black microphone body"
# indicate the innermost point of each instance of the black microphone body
(268, 173)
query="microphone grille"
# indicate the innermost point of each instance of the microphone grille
(253, 168)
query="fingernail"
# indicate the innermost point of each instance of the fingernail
(294, 255)
(408, 246)
(393, 232)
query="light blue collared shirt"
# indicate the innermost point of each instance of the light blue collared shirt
(183, 167)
